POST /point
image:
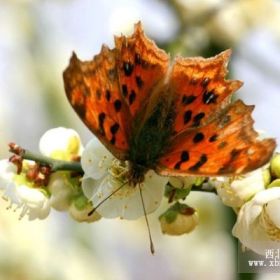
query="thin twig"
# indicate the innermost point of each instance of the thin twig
(56, 165)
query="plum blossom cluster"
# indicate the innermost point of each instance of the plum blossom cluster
(90, 183)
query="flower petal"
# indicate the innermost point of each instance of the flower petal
(96, 159)
(257, 226)
(60, 143)
(127, 203)
(7, 171)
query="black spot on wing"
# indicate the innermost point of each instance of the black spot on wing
(188, 99)
(101, 119)
(124, 90)
(114, 128)
(198, 137)
(178, 165)
(205, 82)
(213, 138)
(131, 97)
(197, 118)
(209, 97)
(108, 95)
(203, 159)
(184, 157)
(128, 68)
(139, 82)
(187, 116)
(118, 105)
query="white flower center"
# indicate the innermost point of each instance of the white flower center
(119, 171)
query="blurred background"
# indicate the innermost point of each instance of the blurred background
(36, 41)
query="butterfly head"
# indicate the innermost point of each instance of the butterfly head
(136, 174)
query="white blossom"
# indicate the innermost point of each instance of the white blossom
(33, 202)
(258, 222)
(104, 174)
(96, 159)
(235, 191)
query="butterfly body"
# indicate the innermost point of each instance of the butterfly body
(149, 143)
(177, 119)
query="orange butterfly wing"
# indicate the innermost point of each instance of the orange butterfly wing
(225, 146)
(142, 66)
(110, 90)
(212, 135)
(200, 90)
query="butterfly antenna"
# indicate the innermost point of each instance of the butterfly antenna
(106, 198)
(147, 222)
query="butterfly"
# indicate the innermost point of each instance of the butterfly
(175, 118)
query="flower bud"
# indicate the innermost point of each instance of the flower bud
(266, 177)
(61, 143)
(61, 191)
(275, 165)
(275, 183)
(80, 208)
(178, 219)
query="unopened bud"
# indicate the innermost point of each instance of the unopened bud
(275, 183)
(79, 209)
(275, 165)
(178, 219)
(266, 177)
